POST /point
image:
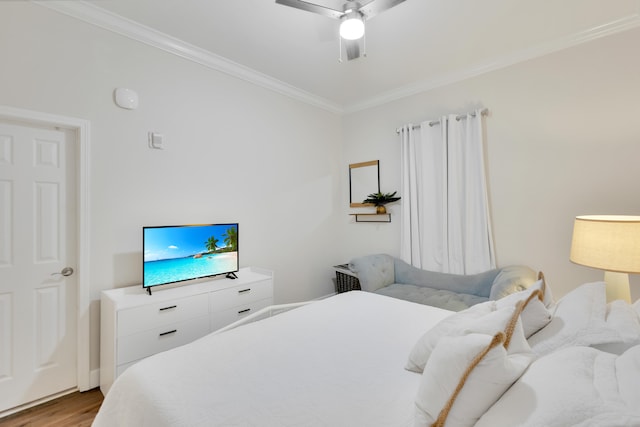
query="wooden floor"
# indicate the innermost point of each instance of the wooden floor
(73, 410)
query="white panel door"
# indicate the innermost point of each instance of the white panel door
(37, 242)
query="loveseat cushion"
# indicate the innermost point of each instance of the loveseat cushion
(374, 271)
(435, 297)
(475, 284)
(511, 279)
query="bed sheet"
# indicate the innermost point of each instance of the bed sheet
(336, 362)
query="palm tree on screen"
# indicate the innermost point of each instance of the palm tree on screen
(211, 244)
(231, 238)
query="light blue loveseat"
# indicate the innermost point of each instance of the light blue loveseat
(387, 275)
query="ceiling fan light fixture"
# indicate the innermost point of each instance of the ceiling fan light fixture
(352, 25)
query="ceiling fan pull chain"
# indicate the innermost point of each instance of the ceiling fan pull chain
(340, 49)
(364, 44)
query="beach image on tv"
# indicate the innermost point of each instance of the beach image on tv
(174, 254)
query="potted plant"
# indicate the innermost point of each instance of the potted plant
(380, 199)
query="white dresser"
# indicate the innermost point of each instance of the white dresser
(134, 325)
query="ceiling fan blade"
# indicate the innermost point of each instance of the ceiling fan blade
(373, 8)
(310, 7)
(353, 49)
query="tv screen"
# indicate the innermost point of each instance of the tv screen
(185, 252)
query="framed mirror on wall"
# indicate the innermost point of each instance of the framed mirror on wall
(364, 179)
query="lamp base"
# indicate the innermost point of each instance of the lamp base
(617, 286)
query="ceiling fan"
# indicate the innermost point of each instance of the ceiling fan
(352, 15)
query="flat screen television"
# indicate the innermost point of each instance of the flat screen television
(185, 252)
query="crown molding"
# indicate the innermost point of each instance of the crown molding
(610, 28)
(112, 22)
(92, 14)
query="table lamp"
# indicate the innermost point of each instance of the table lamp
(610, 243)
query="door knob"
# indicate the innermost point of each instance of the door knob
(67, 271)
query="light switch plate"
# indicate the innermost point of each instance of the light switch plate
(156, 140)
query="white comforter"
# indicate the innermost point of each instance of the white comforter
(336, 362)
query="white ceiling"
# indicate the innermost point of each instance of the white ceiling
(417, 45)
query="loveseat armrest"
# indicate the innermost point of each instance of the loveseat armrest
(373, 271)
(512, 278)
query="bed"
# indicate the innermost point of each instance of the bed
(362, 359)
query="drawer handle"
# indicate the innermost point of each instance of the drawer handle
(168, 333)
(168, 308)
(244, 311)
(244, 290)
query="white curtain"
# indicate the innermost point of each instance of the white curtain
(445, 224)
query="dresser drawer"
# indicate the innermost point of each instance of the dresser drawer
(134, 325)
(161, 338)
(224, 317)
(138, 319)
(239, 295)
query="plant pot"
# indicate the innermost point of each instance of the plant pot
(381, 210)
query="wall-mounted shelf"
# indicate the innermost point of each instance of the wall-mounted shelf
(372, 217)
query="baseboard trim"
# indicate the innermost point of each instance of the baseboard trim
(20, 408)
(94, 379)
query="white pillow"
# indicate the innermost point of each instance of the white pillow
(481, 318)
(622, 317)
(625, 321)
(460, 377)
(539, 285)
(575, 386)
(545, 288)
(535, 314)
(627, 371)
(578, 319)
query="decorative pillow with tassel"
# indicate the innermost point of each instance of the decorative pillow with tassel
(465, 375)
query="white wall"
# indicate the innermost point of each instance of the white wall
(234, 151)
(563, 139)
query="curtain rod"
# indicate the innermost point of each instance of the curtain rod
(459, 117)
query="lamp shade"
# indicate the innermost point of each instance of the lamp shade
(607, 242)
